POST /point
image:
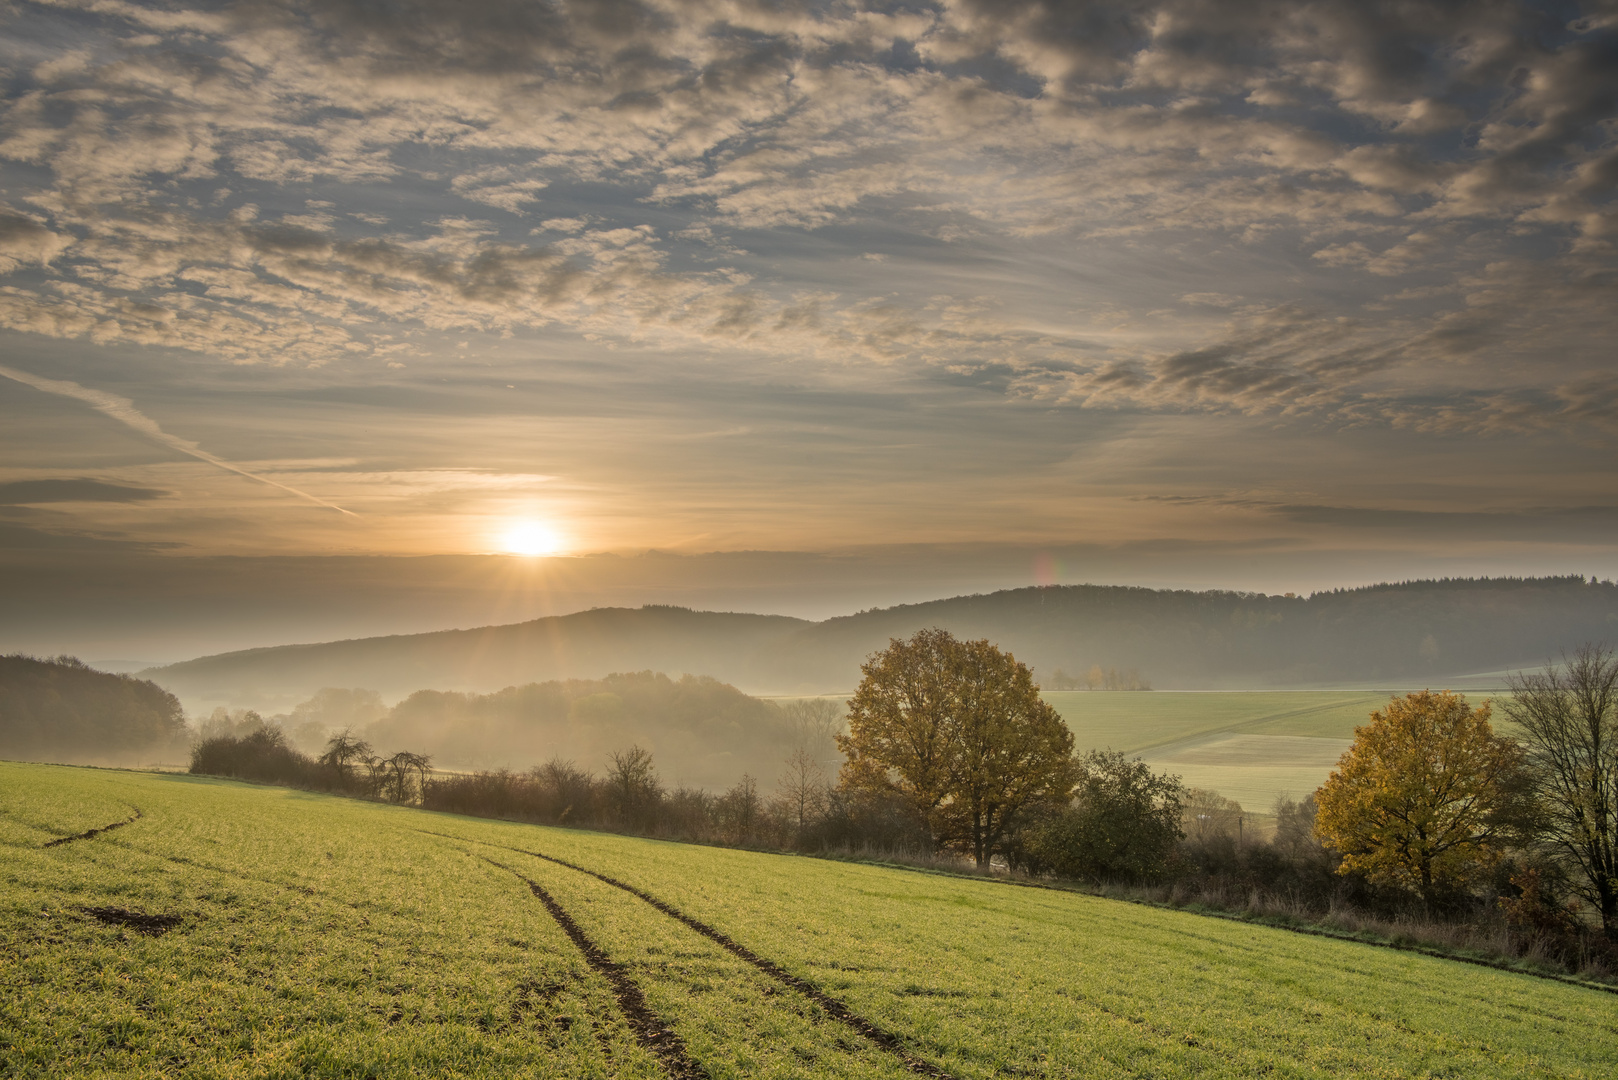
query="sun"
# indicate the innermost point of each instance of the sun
(531, 538)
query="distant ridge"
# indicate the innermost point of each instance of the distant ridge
(586, 644)
(1407, 632)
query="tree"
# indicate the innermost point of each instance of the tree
(813, 722)
(738, 811)
(397, 782)
(801, 790)
(958, 730)
(1569, 717)
(342, 750)
(1123, 823)
(633, 789)
(1425, 797)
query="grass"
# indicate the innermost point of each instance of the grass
(326, 937)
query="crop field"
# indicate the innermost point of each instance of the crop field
(1248, 746)
(238, 931)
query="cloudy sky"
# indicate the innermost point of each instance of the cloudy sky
(1193, 292)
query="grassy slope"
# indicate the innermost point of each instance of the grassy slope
(327, 937)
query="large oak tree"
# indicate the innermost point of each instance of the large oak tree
(958, 730)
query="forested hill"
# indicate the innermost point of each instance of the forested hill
(62, 710)
(586, 645)
(1387, 635)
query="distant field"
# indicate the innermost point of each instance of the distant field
(1139, 722)
(260, 932)
(1248, 746)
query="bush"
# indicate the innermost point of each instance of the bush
(261, 755)
(1122, 825)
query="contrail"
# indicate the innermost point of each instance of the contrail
(123, 410)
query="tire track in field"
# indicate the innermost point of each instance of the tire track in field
(649, 1029)
(91, 833)
(881, 1036)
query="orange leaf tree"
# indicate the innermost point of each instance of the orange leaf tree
(958, 730)
(1424, 797)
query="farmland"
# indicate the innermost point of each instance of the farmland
(1247, 746)
(247, 931)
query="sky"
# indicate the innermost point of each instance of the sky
(823, 305)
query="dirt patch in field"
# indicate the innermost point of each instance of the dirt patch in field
(887, 1040)
(649, 1029)
(139, 921)
(89, 833)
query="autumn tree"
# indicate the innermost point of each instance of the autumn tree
(957, 729)
(1425, 796)
(1569, 717)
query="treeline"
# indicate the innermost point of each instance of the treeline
(1098, 678)
(59, 709)
(1386, 635)
(1380, 634)
(347, 766)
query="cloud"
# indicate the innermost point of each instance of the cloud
(1243, 185)
(1566, 525)
(72, 489)
(123, 410)
(24, 240)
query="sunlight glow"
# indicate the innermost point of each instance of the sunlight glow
(531, 538)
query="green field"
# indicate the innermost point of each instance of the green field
(308, 935)
(1248, 746)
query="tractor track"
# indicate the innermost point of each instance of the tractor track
(92, 833)
(877, 1034)
(650, 1031)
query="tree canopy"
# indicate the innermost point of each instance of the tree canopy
(1424, 798)
(958, 730)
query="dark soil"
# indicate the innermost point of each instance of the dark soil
(649, 1029)
(152, 925)
(95, 832)
(879, 1035)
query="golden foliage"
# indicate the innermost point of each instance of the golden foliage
(958, 730)
(1422, 797)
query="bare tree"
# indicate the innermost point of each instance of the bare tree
(632, 786)
(814, 724)
(398, 783)
(567, 787)
(739, 810)
(1569, 717)
(803, 788)
(342, 750)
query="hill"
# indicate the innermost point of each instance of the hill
(328, 937)
(588, 644)
(62, 710)
(1383, 635)
(701, 732)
